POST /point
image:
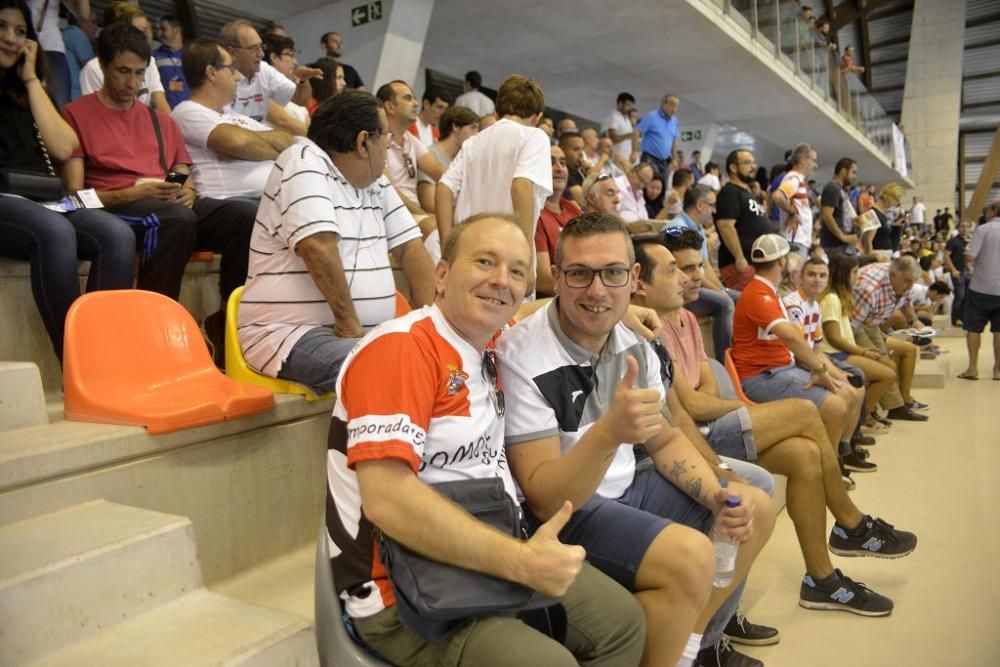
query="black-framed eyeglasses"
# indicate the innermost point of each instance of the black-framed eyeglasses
(490, 375)
(582, 277)
(410, 167)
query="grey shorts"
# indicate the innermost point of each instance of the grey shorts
(316, 358)
(785, 382)
(617, 533)
(731, 435)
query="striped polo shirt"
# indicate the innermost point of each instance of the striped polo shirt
(306, 194)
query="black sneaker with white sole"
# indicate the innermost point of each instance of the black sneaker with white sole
(741, 631)
(857, 462)
(906, 413)
(724, 655)
(845, 475)
(839, 592)
(872, 537)
(914, 404)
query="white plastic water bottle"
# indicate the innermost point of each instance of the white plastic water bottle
(725, 551)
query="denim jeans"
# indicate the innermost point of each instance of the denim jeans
(719, 306)
(53, 242)
(316, 358)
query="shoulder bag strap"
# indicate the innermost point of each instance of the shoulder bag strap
(159, 137)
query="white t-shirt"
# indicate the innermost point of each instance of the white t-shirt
(253, 94)
(214, 175)
(396, 165)
(794, 187)
(806, 314)
(711, 180)
(620, 123)
(632, 207)
(92, 79)
(306, 194)
(481, 174)
(475, 100)
(917, 213)
(425, 132)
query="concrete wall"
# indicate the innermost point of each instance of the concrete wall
(932, 99)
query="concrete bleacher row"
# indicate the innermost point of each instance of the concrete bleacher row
(223, 516)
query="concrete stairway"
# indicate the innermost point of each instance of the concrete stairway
(107, 584)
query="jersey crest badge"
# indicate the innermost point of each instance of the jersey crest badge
(456, 379)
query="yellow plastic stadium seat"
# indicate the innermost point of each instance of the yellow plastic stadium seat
(236, 364)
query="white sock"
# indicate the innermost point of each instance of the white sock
(690, 651)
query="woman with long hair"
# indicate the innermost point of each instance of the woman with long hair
(34, 141)
(837, 304)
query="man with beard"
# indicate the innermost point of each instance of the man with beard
(836, 235)
(740, 219)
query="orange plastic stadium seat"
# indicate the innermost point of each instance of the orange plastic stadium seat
(731, 369)
(202, 256)
(138, 358)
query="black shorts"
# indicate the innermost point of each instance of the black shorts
(979, 309)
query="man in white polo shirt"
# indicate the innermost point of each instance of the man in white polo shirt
(319, 273)
(231, 154)
(264, 91)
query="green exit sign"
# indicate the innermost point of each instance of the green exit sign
(689, 135)
(363, 14)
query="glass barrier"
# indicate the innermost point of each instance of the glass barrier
(777, 24)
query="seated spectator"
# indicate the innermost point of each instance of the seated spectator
(457, 125)
(836, 305)
(740, 219)
(425, 127)
(403, 369)
(713, 300)
(263, 91)
(767, 348)
(654, 195)
(571, 144)
(330, 83)
(556, 214)
(601, 194)
(505, 168)
(547, 125)
(631, 185)
(126, 151)
(319, 275)
(569, 439)
(590, 142)
(168, 56)
(333, 45)
(711, 177)
(34, 139)
(472, 98)
(232, 154)
(791, 275)
(680, 181)
(407, 153)
(279, 53)
(880, 290)
(78, 38)
(785, 437)
(92, 75)
(792, 199)
(982, 300)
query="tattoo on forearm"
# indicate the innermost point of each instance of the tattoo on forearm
(694, 488)
(678, 470)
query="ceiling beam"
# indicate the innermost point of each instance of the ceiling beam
(852, 10)
(884, 13)
(990, 18)
(188, 16)
(892, 42)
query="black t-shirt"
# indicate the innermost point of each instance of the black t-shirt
(956, 248)
(351, 76)
(883, 236)
(576, 177)
(19, 147)
(833, 197)
(735, 203)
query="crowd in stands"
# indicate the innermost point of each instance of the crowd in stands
(599, 409)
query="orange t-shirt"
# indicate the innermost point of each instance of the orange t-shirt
(755, 348)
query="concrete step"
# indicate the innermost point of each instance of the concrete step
(198, 629)
(284, 583)
(68, 575)
(22, 400)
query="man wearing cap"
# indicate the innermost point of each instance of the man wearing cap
(767, 346)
